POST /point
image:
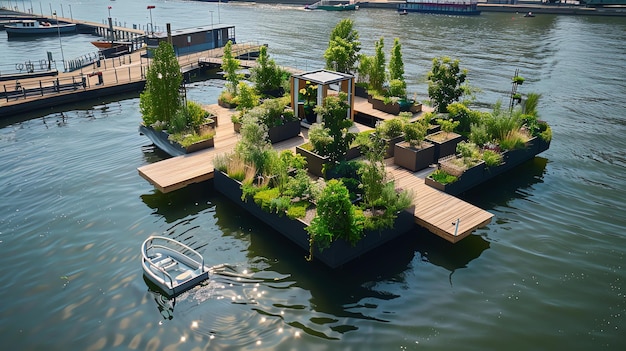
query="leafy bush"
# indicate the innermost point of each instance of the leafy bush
(390, 128)
(441, 177)
(492, 158)
(397, 88)
(265, 197)
(336, 218)
(414, 133)
(297, 210)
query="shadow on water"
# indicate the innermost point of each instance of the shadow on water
(355, 282)
(85, 108)
(174, 206)
(508, 186)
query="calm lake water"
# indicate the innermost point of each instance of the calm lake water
(548, 272)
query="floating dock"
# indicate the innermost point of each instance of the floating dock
(444, 215)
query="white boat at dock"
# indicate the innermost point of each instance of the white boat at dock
(171, 265)
(34, 27)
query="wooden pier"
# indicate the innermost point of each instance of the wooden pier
(126, 73)
(442, 214)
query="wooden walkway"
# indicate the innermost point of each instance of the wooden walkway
(434, 210)
(113, 74)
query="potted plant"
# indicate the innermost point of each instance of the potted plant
(267, 76)
(445, 140)
(331, 139)
(309, 95)
(414, 153)
(441, 180)
(391, 131)
(467, 165)
(279, 119)
(518, 80)
(236, 119)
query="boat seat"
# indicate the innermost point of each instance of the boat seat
(186, 275)
(166, 263)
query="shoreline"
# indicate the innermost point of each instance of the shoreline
(521, 7)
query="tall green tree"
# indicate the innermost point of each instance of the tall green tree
(343, 49)
(445, 83)
(396, 65)
(378, 73)
(161, 98)
(266, 75)
(230, 66)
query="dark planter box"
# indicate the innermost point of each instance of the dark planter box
(413, 159)
(472, 177)
(450, 188)
(433, 128)
(314, 161)
(415, 108)
(339, 252)
(161, 140)
(205, 144)
(392, 108)
(538, 145)
(226, 104)
(391, 143)
(467, 180)
(353, 153)
(444, 147)
(275, 93)
(284, 132)
(237, 127)
(360, 91)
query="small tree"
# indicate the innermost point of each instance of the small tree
(230, 66)
(161, 99)
(343, 47)
(334, 114)
(364, 69)
(247, 97)
(445, 82)
(396, 65)
(377, 72)
(267, 76)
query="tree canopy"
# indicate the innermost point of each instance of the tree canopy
(230, 66)
(161, 98)
(445, 82)
(343, 49)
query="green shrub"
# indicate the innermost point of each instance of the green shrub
(441, 177)
(264, 198)
(546, 135)
(390, 128)
(492, 158)
(414, 133)
(335, 218)
(297, 210)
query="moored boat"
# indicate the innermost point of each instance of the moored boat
(330, 5)
(171, 265)
(444, 7)
(33, 27)
(107, 44)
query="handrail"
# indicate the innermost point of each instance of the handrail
(175, 243)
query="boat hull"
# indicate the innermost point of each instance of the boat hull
(350, 7)
(441, 8)
(172, 266)
(40, 31)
